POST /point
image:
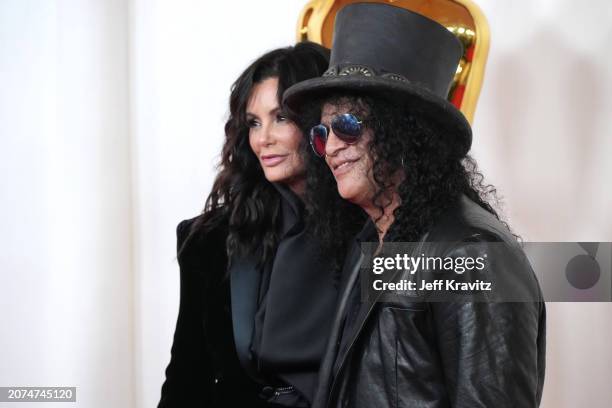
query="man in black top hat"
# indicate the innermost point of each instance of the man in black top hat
(398, 149)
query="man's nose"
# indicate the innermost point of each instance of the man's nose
(334, 144)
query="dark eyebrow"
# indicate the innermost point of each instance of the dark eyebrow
(272, 112)
(329, 115)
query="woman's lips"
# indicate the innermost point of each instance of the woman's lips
(271, 160)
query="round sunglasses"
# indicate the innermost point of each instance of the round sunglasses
(346, 126)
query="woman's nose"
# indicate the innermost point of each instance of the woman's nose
(266, 135)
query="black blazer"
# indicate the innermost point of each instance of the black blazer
(204, 370)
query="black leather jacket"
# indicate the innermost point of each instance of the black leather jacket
(410, 353)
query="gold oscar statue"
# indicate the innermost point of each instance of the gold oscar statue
(462, 17)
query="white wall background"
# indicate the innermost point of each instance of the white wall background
(111, 116)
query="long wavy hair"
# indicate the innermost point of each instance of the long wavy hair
(242, 200)
(403, 139)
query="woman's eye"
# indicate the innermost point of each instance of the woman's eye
(280, 117)
(251, 123)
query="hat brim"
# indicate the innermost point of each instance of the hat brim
(441, 113)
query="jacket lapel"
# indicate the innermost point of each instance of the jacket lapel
(364, 310)
(355, 326)
(244, 283)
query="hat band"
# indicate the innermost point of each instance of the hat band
(362, 70)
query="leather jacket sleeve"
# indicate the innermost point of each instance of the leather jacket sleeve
(189, 374)
(491, 351)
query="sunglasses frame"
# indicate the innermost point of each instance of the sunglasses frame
(346, 138)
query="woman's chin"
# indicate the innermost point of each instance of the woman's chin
(296, 182)
(277, 176)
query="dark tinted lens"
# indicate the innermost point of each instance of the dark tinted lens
(347, 127)
(318, 138)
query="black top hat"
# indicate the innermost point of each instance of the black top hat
(393, 53)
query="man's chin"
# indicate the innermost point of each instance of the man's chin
(349, 195)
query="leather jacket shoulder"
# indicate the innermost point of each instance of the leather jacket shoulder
(480, 352)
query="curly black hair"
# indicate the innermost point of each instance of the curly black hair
(436, 175)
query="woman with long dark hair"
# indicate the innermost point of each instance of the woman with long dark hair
(398, 149)
(257, 289)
